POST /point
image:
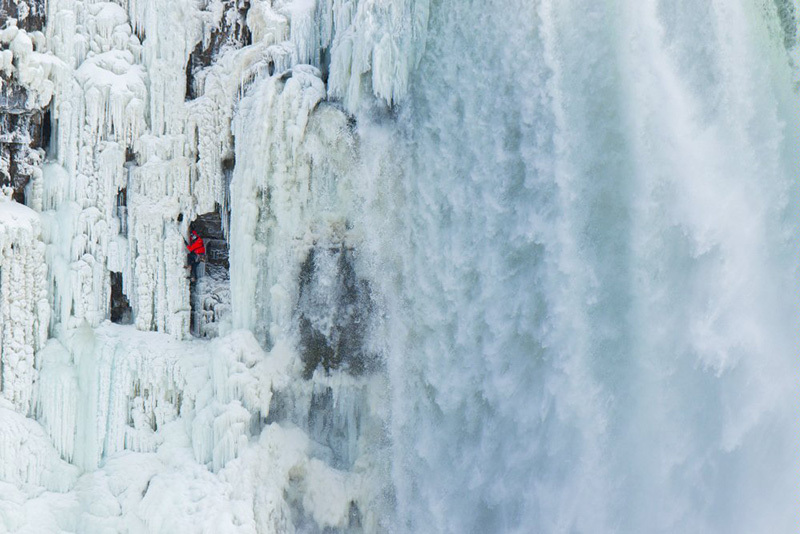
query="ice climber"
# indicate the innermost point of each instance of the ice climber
(197, 253)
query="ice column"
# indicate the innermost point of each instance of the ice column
(24, 310)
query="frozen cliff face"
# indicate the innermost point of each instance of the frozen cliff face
(253, 390)
(146, 98)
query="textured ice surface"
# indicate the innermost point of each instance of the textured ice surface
(142, 427)
(522, 266)
(24, 311)
(173, 434)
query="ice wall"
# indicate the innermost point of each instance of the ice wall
(24, 310)
(101, 119)
(121, 71)
(121, 97)
(296, 189)
(161, 113)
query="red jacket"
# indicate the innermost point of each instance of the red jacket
(197, 246)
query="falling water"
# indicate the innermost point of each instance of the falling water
(587, 251)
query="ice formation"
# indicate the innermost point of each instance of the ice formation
(24, 309)
(516, 267)
(141, 99)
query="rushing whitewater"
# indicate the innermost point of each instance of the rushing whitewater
(522, 266)
(596, 311)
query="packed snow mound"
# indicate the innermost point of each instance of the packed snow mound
(17, 221)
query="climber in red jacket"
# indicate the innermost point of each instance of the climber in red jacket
(197, 253)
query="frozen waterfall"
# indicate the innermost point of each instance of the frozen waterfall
(519, 266)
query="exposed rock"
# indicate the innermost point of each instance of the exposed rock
(29, 14)
(22, 131)
(121, 311)
(334, 307)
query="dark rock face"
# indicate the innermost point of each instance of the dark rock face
(209, 227)
(23, 129)
(334, 307)
(121, 311)
(22, 134)
(29, 14)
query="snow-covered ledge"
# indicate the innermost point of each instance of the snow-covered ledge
(24, 310)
